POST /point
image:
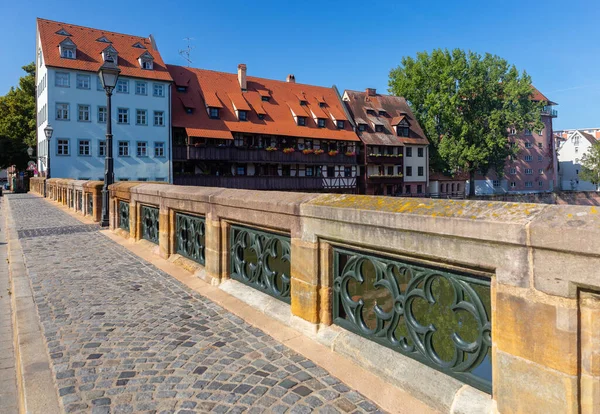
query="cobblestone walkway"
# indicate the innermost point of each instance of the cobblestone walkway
(125, 337)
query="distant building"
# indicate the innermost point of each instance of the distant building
(566, 133)
(234, 130)
(535, 167)
(70, 97)
(394, 153)
(446, 186)
(569, 156)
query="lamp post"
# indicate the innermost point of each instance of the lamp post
(108, 73)
(48, 132)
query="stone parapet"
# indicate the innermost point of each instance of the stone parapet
(540, 261)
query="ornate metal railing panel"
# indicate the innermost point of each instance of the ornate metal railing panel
(80, 201)
(261, 260)
(190, 233)
(124, 215)
(71, 199)
(150, 223)
(90, 204)
(439, 317)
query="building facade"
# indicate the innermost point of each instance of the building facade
(394, 152)
(70, 98)
(234, 130)
(535, 167)
(569, 158)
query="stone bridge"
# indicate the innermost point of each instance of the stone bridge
(461, 306)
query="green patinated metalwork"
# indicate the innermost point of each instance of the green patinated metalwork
(190, 232)
(439, 317)
(71, 199)
(90, 204)
(80, 201)
(261, 260)
(150, 223)
(124, 215)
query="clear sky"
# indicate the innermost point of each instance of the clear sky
(352, 44)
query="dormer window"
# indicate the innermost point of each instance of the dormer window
(402, 131)
(321, 122)
(340, 124)
(63, 32)
(112, 53)
(378, 128)
(242, 115)
(261, 116)
(303, 103)
(370, 112)
(265, 98)
(362, 127)
(181, 88)
(68, 50)
(103, 39)
(189, 110)
(146, 61)
(213, 112)
(322, 104)
(382, 112)
(301, 121)
(139, 46)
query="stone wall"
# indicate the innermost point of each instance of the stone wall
(85, 197)
(580, 198)
(541, 262)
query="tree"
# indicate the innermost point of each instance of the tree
(467, 104)
(17, 110)
(13, 152)
(590, 165)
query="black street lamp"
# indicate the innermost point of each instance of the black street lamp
(48, 132)
(108, 73)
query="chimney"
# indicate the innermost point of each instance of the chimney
(371, 91)
(290, 78)
(242, 76)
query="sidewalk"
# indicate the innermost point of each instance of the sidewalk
(124, 337)
(8, 377)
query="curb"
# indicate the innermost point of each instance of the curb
(37, 392)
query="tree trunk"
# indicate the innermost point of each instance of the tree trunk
(472, 184)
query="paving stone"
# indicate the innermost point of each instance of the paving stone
(138, 340)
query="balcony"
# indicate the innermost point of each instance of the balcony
(548, 111)
(234, 154)
(384, 159)
(385, 179)
(270, 182)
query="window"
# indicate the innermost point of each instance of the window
(242, 116)
(340, 124)
(540, 145)
(161, 179)
(390, 170)
(158, 90)
(83, 113)
(362, 127)
(147, 64)
(513, 170)
(62, 111)
(420, 171)
(541, 183)
(142, 149)
(403, 131)
(513, 131)
(347, 171)
(102, 114)
(142, 179)
(408, 151)
(419, 189)
(576, 140)
(141, 88)
(123, 86)
(528, 158)
(576, 150)
(540, 158)
(84, 147)
(123, 148)
(67, 52)
(528, 184)
(265, 98)
(62, 147)
(408, 189)
(213, 113)
(61, 79)
(527, 132)
(159, 118)
(541, 171)
(513, 184)
(420, 152)
(140, 117)
(321, 122)
(83, 81)
(378, 128)
(528, 171)
(241, 170)
(122, 179)
(123, 116)
(496, 183)
(301, 121)
(528, 145)
(409, 171)
(159, 149)
(309, 171)
(102, 148)
(99, 84)
(260, 116)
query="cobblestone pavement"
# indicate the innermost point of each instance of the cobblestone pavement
(125, 337)
(8, 377)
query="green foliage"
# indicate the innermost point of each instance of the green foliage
(590, 165)
(17, 110)
(13, 152)
(466, 103)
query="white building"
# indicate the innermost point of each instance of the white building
(70, 98)
(569, 158)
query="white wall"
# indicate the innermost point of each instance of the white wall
(92, 167)
(415, 162)
(569, 159)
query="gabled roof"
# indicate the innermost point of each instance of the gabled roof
(218, 89)
(591, 139)
(395, 107)
(538, 96)
(90, 47)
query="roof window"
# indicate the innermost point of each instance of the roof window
(139, 45)
(63, 32)
(112, 52)
(67, 48)
(265, 98)
(103, 39)
(146, 61)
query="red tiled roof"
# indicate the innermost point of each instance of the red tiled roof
(89, 50)
(207, 86)
(238, 101)
(538, 96)
(208, 133)
(397, 119)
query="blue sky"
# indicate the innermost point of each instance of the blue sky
(352, 44)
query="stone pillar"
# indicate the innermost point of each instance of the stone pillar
(135, 223)
(304, 271)
(213, 249)
(163, 232)
(224, 250)
(589, 307)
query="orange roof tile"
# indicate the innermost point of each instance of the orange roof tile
(278, 119)
(208, 133)
(397, 119)
(89, 50)
(297, 108)
(238, 101)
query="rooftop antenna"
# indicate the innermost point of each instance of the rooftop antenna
(186, 53)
